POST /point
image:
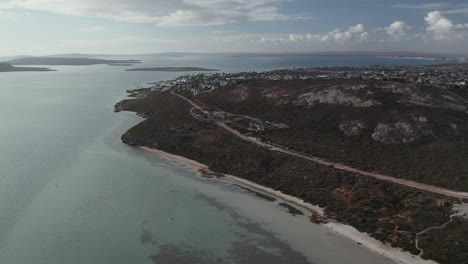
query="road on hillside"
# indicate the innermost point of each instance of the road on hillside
(408, 183)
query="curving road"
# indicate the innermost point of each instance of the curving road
(404, 182)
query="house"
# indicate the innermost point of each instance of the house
(261, 126)
(206, 114)
(206, 86)
(256, 126)
(275, 77)
(219, 115)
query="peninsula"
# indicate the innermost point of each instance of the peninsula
(66, 61)
(5, 67)
(378, 152)
(174, 69)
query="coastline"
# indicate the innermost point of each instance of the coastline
(343, 230)
(174, 69)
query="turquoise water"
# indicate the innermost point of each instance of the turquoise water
(71, 192)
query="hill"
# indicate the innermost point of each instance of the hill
(411, 131)
(354, 118)
(65, 61)
(5, 67)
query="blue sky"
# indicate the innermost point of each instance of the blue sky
(145, 26)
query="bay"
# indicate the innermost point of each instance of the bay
(71, 192)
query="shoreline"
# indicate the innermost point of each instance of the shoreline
(174, 69)
(343, 230)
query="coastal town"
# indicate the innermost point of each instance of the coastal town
(452, 76)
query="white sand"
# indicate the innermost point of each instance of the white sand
(256, 187)
(376, 246)
(196, 165)
(346, 231)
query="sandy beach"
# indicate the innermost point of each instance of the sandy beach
(347, 231)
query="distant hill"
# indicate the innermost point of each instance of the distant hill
(65, 61)
(5, 67)
(8, 58)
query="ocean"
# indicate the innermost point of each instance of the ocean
(72, 193)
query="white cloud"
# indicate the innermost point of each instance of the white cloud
(353, 32)
(438, 24)
(397, 30)
(356, 33)
(267, 14)
(359, 28)
(443, 28)
(162, 12)
(461, 26)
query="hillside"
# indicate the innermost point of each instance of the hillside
(391, 213)
(403, 130)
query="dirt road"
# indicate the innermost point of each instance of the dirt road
(408, 183)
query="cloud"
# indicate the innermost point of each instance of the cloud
(356, 32)
(353, 32)
(443, 28)
(163, 12)
(460, 10)
(397, 30)
(291, 38)
(423, 6)
(438, 28)
(446, 8)
(267, 14)
(359, 28)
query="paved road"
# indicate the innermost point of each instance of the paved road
(408, 183)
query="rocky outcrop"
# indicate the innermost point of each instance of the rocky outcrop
(401, 131)
(352, 128)
(334, 95)
(436, 98)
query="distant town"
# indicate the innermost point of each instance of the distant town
(453, 76)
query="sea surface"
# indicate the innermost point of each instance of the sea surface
(72, 193)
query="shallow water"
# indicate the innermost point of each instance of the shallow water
(71, 192)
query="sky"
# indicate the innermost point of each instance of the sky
(41, 27)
